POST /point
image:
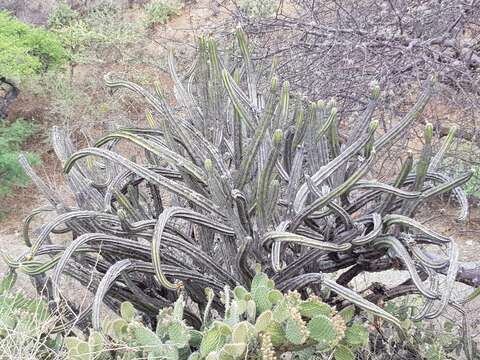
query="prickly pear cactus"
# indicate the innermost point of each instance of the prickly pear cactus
(260, 323)
(25, 324)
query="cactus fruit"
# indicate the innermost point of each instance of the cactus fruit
(266, 350)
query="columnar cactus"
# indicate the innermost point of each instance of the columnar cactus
(240, 173)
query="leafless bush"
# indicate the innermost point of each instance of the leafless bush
(329, 47)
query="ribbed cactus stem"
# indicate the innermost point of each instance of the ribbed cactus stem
(375, 90)
(424, 162)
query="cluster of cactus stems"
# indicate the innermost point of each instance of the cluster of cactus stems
(259, 324)
(239, 174)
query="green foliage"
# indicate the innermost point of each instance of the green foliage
(25, 325)
(97, 30)
(26, 50)
(429, 340)
(12, 136)
(62, 16)
(160, 11)
(259, 8)
(231, 337)
(473, 185)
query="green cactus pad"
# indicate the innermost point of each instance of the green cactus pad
(260, 279)
(347, 313)
(195, 338)
(146, 338)
(83, 351)
(213, 340)
(312, 308)
(321, 329)
(260, 296)
(294, 333)
(280, 312)
(263, 320)
(179, 334)
(235, 349)
(276, 332)
(95, 342)
(239, 292)
(241, 306)
(251, 310)
(119, 328)
(71, 342)
(356, 335)
(178, 308)
(240, 332)
(127, 311)
(275, 296)
(343, 353)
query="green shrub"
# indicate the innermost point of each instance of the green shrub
(26, 50)
(259, 8)
(473, 185)
(85, 36)
(160, 11)
(25, 325)
(62, 16)
(12, 136)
